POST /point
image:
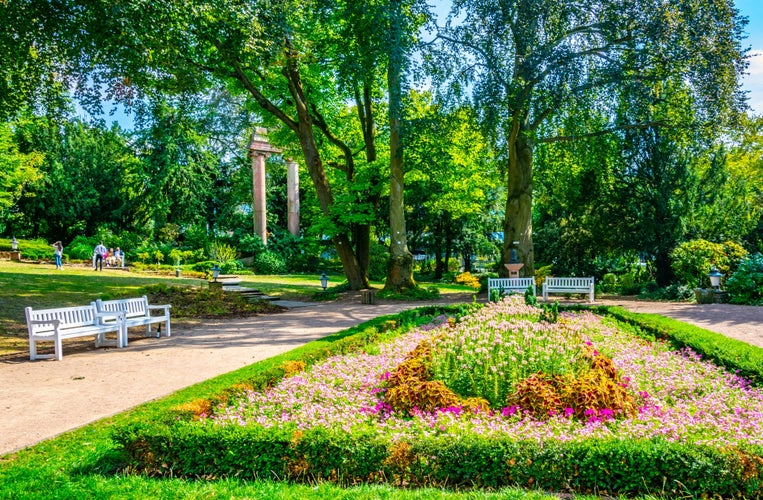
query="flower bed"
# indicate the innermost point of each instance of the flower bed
(691, 425)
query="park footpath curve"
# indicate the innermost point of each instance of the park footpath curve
(41, 399)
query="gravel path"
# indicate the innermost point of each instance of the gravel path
(41, 399)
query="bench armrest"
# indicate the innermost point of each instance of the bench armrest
(162, 306)
(54, 322)
(117, 315)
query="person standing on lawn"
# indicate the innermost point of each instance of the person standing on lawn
(98, 253)
(58, 253)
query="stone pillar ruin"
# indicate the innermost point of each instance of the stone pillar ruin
(292, 195)
(259, 150)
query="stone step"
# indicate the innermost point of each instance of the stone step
(249, 293)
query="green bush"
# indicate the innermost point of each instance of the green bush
(692, 261)
(609, 283)
(745, 286)
(268, 262)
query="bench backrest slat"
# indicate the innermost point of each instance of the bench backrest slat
(568, 282)
(70, 317)
(131, 307)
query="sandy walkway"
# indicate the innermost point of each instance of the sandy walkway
(39, 400)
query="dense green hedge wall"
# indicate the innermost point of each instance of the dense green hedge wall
(616, 467)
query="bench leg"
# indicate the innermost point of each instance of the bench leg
(58, 348)
(32, 350)
(169, 333)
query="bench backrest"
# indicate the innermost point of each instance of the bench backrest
(133, 307)
(569, 282)
(511, 283)
(69, 317)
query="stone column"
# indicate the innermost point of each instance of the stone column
(258, 195)
(259, 150)
(292, 195)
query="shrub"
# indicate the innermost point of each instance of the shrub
(469, 280)
(692, 260)
(609, 283)
(222, 252)
(268, 262)
(628, 285)
(745, 286)
(541, 273)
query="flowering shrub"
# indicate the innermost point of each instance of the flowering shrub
(680, 397)
(469, 280)
(691, 429)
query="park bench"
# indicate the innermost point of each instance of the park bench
(137, 312)
(568, 285)
(55, 325)
(507, 286)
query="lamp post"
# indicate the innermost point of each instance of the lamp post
(715, 278)
(15, 254)
(215, 272)
(324, 281)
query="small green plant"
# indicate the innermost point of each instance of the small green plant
(222, 252)
(530, 298)
(550, 313)
(158, 257)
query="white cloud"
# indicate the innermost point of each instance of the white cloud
(752, 82)
(756, 62)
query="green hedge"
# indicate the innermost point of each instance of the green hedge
(614, 467)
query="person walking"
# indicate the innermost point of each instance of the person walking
(58, 253)
(98, 252)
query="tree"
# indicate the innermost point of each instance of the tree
(81, 176)
(526, 60)
(452, 181)
(17, 170)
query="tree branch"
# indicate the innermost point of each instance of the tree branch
(599, 133)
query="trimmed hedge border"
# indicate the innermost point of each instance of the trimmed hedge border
(179, 448)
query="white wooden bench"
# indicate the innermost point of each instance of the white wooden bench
(509, 285)
(568, 285)
(137, 312)
(55, 325)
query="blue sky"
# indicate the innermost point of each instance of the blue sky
(753, 82)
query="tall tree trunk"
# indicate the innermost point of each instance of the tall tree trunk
(467, 261)
(362, 231)
(353, 271)
(438, 239)
(400, 268)
(517, 222)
